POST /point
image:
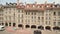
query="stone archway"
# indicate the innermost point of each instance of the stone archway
(6, 24)
(48, 28)
(33, 26)
(27, 26)
(20, 25)
(56, 28)
(40, 27)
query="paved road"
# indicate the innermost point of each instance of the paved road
(5, 32)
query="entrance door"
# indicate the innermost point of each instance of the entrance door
(37, 32)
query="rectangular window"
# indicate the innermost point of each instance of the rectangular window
(54, 13)
(34, 13)
(38, 18)
(46, 22)
(58, 13)
(54, 23)
(19, 16)
(58, 23)
(18, 11)
(26, 13)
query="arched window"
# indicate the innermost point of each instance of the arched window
(14, 24)
(20, 25)
(27, 26)
(48, 28)
(56, 28)
(40, 27)
(33, 26)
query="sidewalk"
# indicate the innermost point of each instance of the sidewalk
(19, 31)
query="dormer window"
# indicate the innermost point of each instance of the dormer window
(38, 6)
(47, 6)
(53, 6)
(33, 5)
(27, 6)
(42, 6)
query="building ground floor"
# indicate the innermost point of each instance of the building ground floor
(31, 26)
(31, 31)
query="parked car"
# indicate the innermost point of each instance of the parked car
(2, 28)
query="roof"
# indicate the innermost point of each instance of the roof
(33, 6)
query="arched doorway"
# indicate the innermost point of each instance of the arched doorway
(6, 24)
(56, 28)
(2, 23)
(33, 26)
(14, 24)
(37, 32)
(40, 27)
(20, 25)
(48, 28)
(27, 26)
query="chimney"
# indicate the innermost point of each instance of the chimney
(53, 2)
(35, 2)
(17, 2)
(45, 2)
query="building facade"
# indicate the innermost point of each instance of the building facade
(43, 17)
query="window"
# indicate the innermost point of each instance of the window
(9, 12)
(18, 11)
(58, 13)
(32, 17)
(54, 23)
(19, 20)
(54, 13)
(26, 13)
(22, 20)
(58, 23)
(19, 16)
(42, 18)
(46, 22)
(49, 22)
(34, 13)
(38, 18)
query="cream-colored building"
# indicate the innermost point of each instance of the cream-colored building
(43, 17)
